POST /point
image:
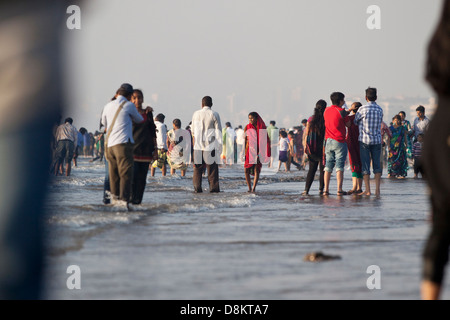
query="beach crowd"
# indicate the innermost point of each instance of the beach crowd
(132, 141)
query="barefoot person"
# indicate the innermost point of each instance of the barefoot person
(336, 120)
(255, 149)
(368, 118)
(353, 151)
(207, 137)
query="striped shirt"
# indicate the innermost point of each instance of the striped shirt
(417, 150)
(368, 119)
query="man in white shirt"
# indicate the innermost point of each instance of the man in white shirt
(161, 144)
(118, 117)
(420, 124)
(207, 136)
(240, 140)
(66, 136)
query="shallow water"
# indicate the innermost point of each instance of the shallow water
(234, 245)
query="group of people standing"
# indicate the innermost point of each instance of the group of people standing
(332, 133)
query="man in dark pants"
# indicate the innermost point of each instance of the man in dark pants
(207, 136)
(436, 155)
(118, 117)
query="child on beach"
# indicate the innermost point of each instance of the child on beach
(417, 154)
(284, 150)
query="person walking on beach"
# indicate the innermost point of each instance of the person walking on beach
(145, 152)
(436, 156)
(179, 146)
(283, 156)
(118, 117)
(161, 141)
(398, 161)
(255, 132)
(420, 123)
(240, 143)
(336, 120)
(272, 131)
(228, 138)
(207, 137)
(417, 155)
(409, 132)
(313, 138)
(67, 139)
(369, 118)
(354, 156)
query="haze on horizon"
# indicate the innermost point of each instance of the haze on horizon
(274, 57)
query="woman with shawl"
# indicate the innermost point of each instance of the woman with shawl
(254, 156)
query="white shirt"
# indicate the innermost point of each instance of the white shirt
(161, 135)
(420, 126)
(207, 130)
(122, 131)
(240, 136)
(284, 144)
(67, 131)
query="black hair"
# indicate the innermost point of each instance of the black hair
(397, 117)
(253, 114)
(318, 123)
(283, 134)
(228, 124)
(160, 117)
(402, 112)
(336, 97)
(371, 94)
(207, 101)
(69, 120)
(125, 93)
(272, 122)
(177, 123)
(139, 91)
(357, 105)
(420, 109)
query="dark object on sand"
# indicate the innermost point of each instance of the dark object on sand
(319, 256)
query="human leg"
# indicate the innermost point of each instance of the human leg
(125, 163)
(247, 179)
(198, 171)
(364, 152)
(114, 180)
(311, 174)
(341, 155)
(375, 152)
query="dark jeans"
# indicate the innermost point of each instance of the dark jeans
(140, 172)
(312, 173)
(213, 172)
(436, 156)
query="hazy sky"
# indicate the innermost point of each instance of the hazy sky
(276, 57)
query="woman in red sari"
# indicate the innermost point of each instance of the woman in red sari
(254, 157)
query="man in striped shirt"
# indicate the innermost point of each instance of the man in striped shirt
(369, 118)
